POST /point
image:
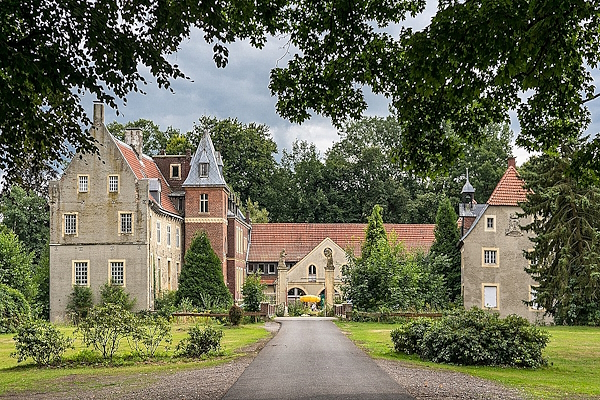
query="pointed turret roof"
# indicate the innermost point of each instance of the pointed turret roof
(510, 191)
(205, 154)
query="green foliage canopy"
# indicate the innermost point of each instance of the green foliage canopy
(16, 269)
(253, 291)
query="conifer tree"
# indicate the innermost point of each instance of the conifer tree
(375, 236)
(201, 280)
(446, 239)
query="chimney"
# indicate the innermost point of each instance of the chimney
(134, 138)
(512, 162)
(98, 113)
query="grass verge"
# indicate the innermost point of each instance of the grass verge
(573, 354)
(25, 377)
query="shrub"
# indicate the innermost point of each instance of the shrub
(474, 337)
(200, 341)
(253, 292)
(115, 294)
(80, 303)
(148, 332)
(166, 303)
(297, 308)
(235, 314)
(14, 309)
(105, 327)
(280, 310)
(41, 341)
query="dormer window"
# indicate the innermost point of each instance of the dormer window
(203, 170)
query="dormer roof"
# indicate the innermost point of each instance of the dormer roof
(205, 154)
(510, 191)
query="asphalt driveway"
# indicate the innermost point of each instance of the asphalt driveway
(310, 358)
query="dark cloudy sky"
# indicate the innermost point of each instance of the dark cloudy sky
(241, 91)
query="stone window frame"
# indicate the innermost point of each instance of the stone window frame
(109, 185)
(83, 183)
(74, 272)
(487, 219)
(172, 168)
(111, 275)
(497, 256)
(68, 232)
(177, 237)
(203, 203)
(122, 215)
(497, 286)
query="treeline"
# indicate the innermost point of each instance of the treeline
(341, 185)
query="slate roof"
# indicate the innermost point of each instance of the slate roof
(298, 239)
(509, 191)
(145, 168)
(205, 153)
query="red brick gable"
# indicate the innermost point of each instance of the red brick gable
(509, 191)
(298, 239)
(146, 168)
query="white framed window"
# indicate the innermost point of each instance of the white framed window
(113, 184)
(203, 170)
(70, 225)
(117, 272)
(168, 235)
(175, 171)
(261, 268)
(490, 296)
(271, 268)
(489, 257)
(126, 223)
(157, 231)
(312, 273)
(82, 183)
(81, 273)
(204, 203)
(490, 223)
(177, 237)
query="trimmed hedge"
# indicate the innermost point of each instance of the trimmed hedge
(473, 337)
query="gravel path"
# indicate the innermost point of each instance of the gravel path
(212, 383)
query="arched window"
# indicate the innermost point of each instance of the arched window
(312, 273)
(336, 295)
(294, 294)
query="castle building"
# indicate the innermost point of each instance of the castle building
(492, 250)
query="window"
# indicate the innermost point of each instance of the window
(490, 296)
(312, 273)
(271, 268)
(490, 257)
(532, 298)
(83, 183)
(203, 170)
(126, 223)
(490, 223)
(80, 273)
(251, 268)
(117, 273)
(113, 183)
(70, 224)
(204, 203)
(261, 268)
(157, 231)
(169, 235)
(295, 293)
(177, 239)
(175, 171)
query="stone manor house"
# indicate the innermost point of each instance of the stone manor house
(123, 217)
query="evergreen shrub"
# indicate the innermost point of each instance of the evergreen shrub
(200, 341)
(41, 341)
(165, 304)
(80, 303)
(235, 314)
(116, 294)
(14, 309)
(473, 337)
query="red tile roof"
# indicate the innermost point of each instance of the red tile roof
(298, 239)
(146, 168)
(509, 191)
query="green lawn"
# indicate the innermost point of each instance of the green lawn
(25, 376)
(573, 354)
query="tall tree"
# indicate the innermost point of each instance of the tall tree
(27, 215)
(16, 269)
(201, 278)
(445, 244)
(248, 153)
(52, 52)
(565, 212)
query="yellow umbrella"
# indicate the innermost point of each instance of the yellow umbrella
(310, 299)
